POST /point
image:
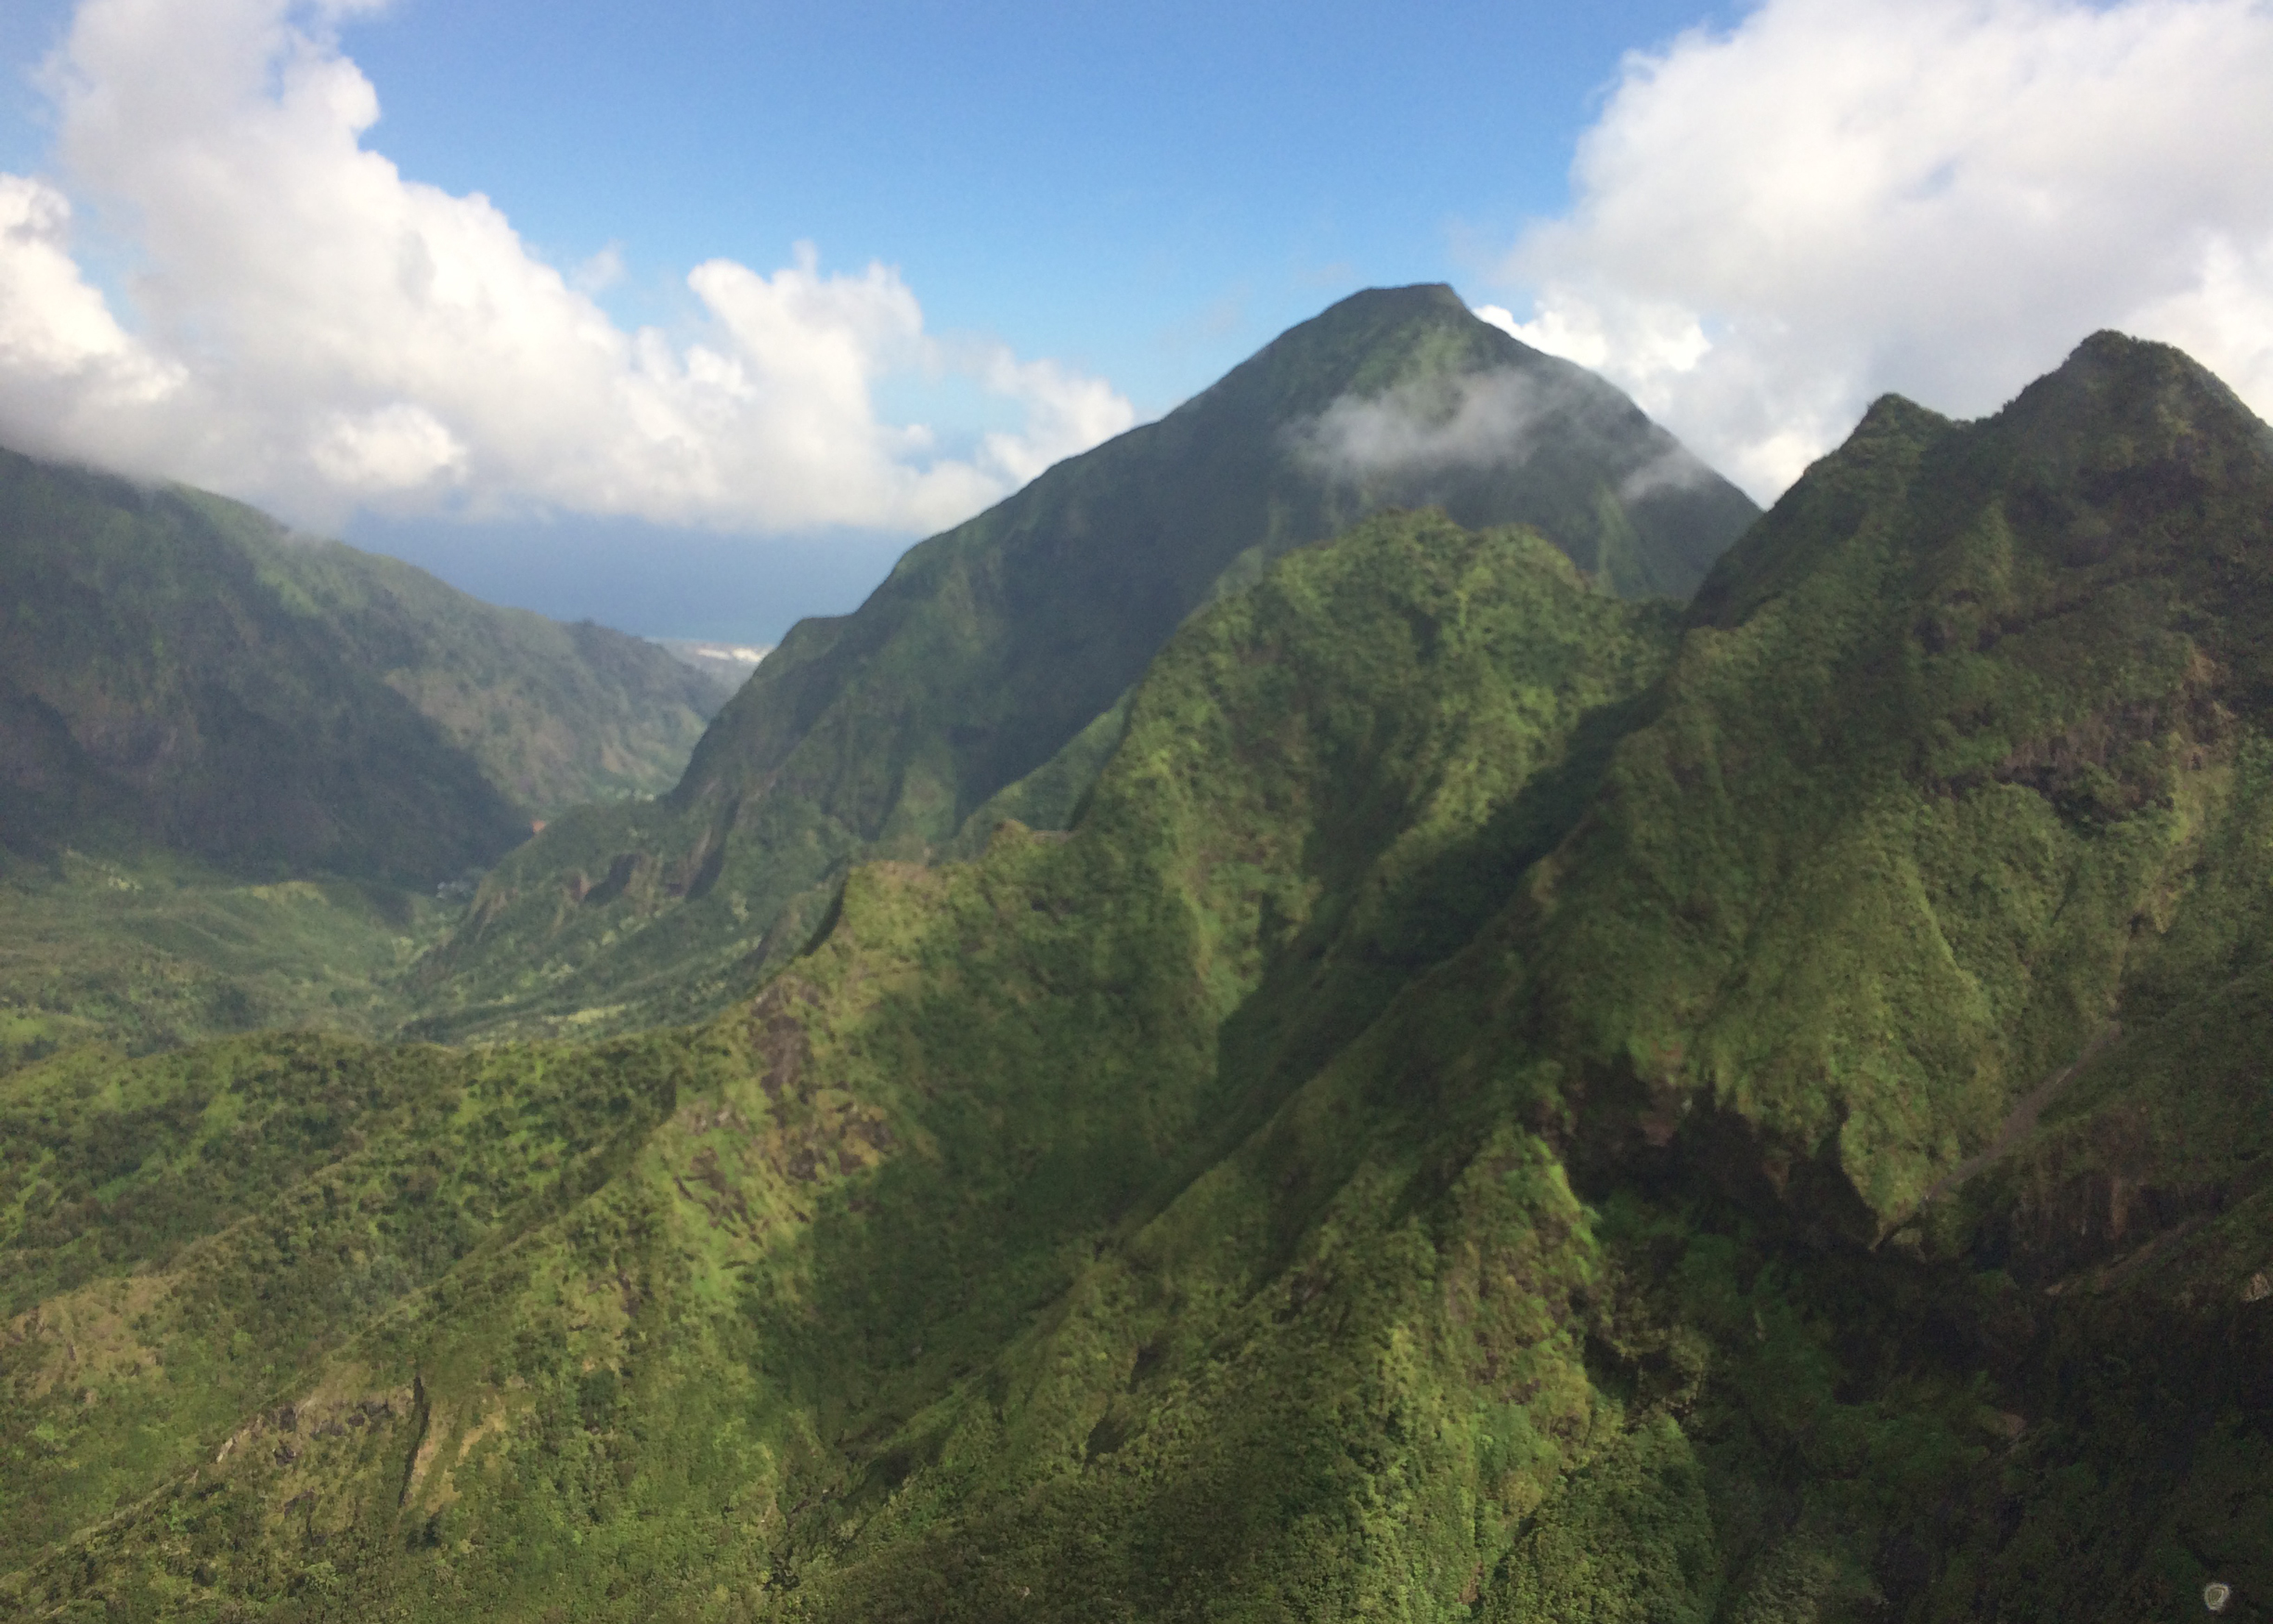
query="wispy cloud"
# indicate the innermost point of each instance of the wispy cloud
(1480, 419)
(1403, 438)
(1836, 198)
(309, 328)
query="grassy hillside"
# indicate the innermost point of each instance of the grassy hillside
(782, 1299)
(159, 951)
(1506, 1103)
(998, 645)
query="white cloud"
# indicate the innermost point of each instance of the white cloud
(600, 272)
(394, 448)
(1066, 412)
(66, 364)
(310, 328)
(1425, 428)
(1836, 198)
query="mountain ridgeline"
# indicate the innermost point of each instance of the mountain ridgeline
(996, 647)
(1506, 1103)
(234, 763)
(178, 671)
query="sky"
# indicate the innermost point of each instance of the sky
(690, 319)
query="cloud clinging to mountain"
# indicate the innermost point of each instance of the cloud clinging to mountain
(1836, 198)
(312, 329)
(1480, 418)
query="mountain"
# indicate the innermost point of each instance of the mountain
(1507, 1103)
(912, 1144)
(1857, 909)
(179, 670)
(995, 645)
(232, 759)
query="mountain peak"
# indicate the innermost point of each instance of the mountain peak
(2114, 356)
(2140, 399)
(1824, 505)
(1897, 416)
(2117, 444)
(1415, 297)
(992, 647)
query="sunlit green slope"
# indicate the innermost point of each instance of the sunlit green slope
(1506, 1104)
(992, 646)
(157, 951)
(828, 1212)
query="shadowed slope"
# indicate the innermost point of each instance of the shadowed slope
(231, 758)
(177, 669)
(994, 644)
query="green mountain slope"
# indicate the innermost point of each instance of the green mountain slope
(994, 644)
(178, 670)
(231, 758)
(1933, 773)
(1334, 759)
(1507, 1103)
(157, 950)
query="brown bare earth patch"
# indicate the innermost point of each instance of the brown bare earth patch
(2022, 1120)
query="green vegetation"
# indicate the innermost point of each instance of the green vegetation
(999, 644)
(163, 951)
(824, 1237)
(1931, 778)
(1507, 1102)
(234, 763)
(180, 672)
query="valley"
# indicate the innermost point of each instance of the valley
(237, 765)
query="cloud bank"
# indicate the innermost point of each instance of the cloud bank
(308, 327)
(1775, 224)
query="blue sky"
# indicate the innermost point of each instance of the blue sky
(1025, 225)
(1149, 192)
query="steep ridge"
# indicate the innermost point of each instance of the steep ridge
(1350, 1173)
(177, 670)
(993, 645)
(1932, 768)
(1322, 777)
